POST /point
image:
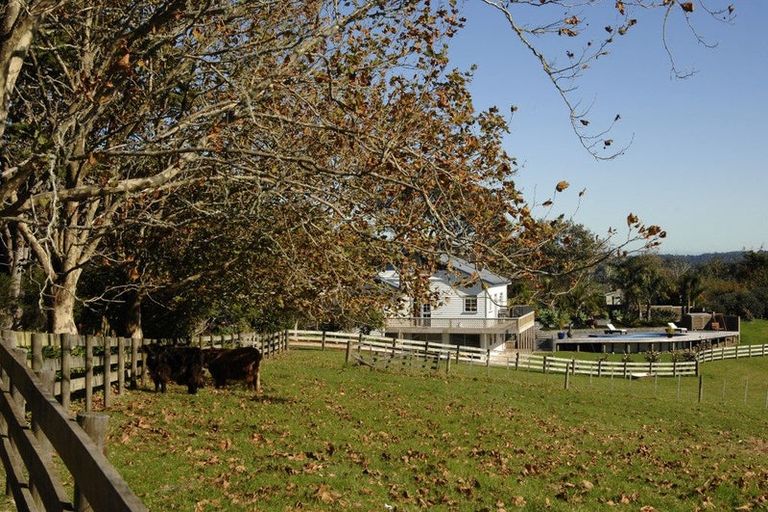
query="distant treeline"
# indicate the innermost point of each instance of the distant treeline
(698, 260)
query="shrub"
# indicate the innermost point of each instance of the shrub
(652, 356)
(662, 316)
(689, 355)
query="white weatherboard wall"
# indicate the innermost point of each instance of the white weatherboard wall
(489, 300)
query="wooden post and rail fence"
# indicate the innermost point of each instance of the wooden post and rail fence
(405, 348)
(35, 369)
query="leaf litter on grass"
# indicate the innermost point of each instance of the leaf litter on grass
(504, 440)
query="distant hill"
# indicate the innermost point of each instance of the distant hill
(700, 259)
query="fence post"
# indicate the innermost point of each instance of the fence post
(88, 373)
(573, 366)
(447, 363)
(349, 351)
(487, 357)
(288, 339)
(599, 368)
(701, 387)
(697, 366)
(95, 425)
(37, 350)
(517, 361)
(394, 346)
(458, 351)
(625, 369)
(544, 365)
(134, 362)
(66, 369)
(106, 370)
(674, 368)
(322, 342)
(120, 364)
(567, 378)
(144, 361)
(359, 342)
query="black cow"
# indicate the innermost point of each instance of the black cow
(182, 365)
(234, 364)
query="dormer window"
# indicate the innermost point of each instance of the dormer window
(470, 304)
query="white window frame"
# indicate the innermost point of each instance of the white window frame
(468, 301)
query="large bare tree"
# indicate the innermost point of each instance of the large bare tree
(345, 111)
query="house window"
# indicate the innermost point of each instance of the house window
(470, 304)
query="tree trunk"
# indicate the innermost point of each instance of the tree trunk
(16, 28)
(132, 324)
(60, 303)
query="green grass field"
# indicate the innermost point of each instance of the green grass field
(325, 437)
(754, 332)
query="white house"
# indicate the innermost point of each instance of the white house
(472, 309)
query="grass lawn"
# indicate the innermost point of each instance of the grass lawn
(325, 437)
(754, 332)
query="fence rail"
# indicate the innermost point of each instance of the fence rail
(360, 343)
(27, 445)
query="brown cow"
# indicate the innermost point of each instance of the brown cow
(183, 365)
(234, 364)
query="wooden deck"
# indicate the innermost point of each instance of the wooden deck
(635, 342)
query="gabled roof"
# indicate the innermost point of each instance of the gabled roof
(392, 278)
(470, 269)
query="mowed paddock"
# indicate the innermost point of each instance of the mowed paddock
(326, 437)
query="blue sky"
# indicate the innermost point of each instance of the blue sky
(698, 165)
